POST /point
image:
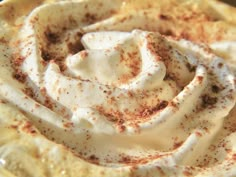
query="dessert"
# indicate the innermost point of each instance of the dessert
(121, 88)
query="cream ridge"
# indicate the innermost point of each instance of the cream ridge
(117, 88)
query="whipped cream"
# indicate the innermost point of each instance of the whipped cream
(137, 102)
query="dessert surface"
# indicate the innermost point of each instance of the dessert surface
(117, 88)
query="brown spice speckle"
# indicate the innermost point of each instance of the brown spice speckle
(45, 55)
(220, 65)
(187, 173)
(29, 92)
(177, 144)
(51, 37)
(234, 157)
(75, 47)
(199, 134)
(20, 76)
(159, 106)
(93, 159)
(215, 89)
(199, 78)
(190, 67)
(89, 18)
(207, 100)
(68, 124)
(28, 128)
(16, 62)
(164, 17)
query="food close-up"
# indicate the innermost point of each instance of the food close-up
(127, 88)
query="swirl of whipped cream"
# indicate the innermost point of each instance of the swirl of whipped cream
(117, 99)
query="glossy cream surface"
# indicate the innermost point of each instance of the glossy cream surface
(109, 92)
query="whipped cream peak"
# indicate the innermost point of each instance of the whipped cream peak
(127, 86)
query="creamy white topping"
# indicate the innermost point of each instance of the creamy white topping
(116, 99)
(226, 49)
